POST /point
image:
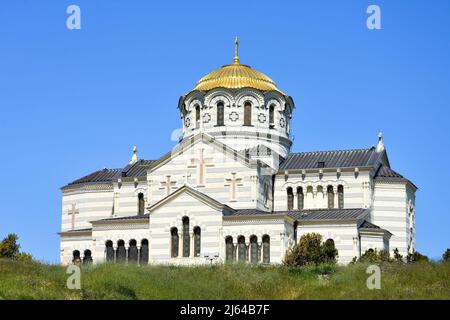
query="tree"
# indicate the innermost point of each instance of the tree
(311, 251)
(9, 247)
(446, 255)
(374, 256)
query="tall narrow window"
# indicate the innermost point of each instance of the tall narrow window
(141, 204)
(300, 198)
(330, 193)
(197, 241)
(186, 238)
(266, 248)
(229, 254)
(133, 252)
(241, 249)
(247, 114)
(253, 249)
(341, 196)
(174, 242)
(197, 116)
(121, 253)
(290, 198)
(76, 257)
(295, 231)
(87, 259)
(143, 254)
(109, 251)
(220, 114)
(272, 116)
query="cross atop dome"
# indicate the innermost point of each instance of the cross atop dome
(236, 49)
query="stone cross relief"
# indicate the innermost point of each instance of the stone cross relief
(186, 177)
(168, 185)
(233, 183)
(73, 211)
(201, 163)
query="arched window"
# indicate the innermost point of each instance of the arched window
(143, 254)
(247, 114)
(330, 193)
(241, 249)
(220, 114)
(186, 237)
(341, 196)
(300, 198)
(141, 204)
(272, 116)
(87, 259)
(290, 198)
(197, 241)
(121, 253)
(197, 116)
(133, 252)
(109, 251)
(174, 242)
(266, 248)
(253, 249)
(229, 254)
(76, 257)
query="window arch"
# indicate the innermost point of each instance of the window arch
(141, 203)
(76, 257)
(133, 252)
(121, 252)
(186, 237)
(174, 242)
(254, 249)
(272, 116)
(247, 114)
(266, 248)
(197, 241)
(220, 113)
(229, 254)
(197, 116)
(109, 251)
(143, 254)
(300, 198)
(87, 258)
(330, 194)
(341, 196)
(241, 249)
(290, 198)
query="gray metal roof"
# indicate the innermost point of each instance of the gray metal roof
(135, 170)
(310, 215)
(330, 159)
(386, 172)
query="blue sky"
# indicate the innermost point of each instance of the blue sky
(74, 101)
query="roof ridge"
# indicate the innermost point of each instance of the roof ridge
(341, 150)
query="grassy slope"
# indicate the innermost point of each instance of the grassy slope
(31, 280)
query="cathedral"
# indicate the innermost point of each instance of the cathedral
(231, 190)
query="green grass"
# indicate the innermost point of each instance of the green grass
(34, 280)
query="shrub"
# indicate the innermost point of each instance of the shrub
(374, 256)
(416, 256)
(311, 251)
(397, 256)
(446, 255)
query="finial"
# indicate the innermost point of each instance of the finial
(134, 158)
(380, 145)
(236, 49)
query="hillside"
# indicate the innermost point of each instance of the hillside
(33, 280)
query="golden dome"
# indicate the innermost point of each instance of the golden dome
(235, 76)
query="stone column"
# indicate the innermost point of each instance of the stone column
(138, 246)
(336, 200)
(235, 251)
(191, 244)
(115, 253)
(127, 252)
(260, 251)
